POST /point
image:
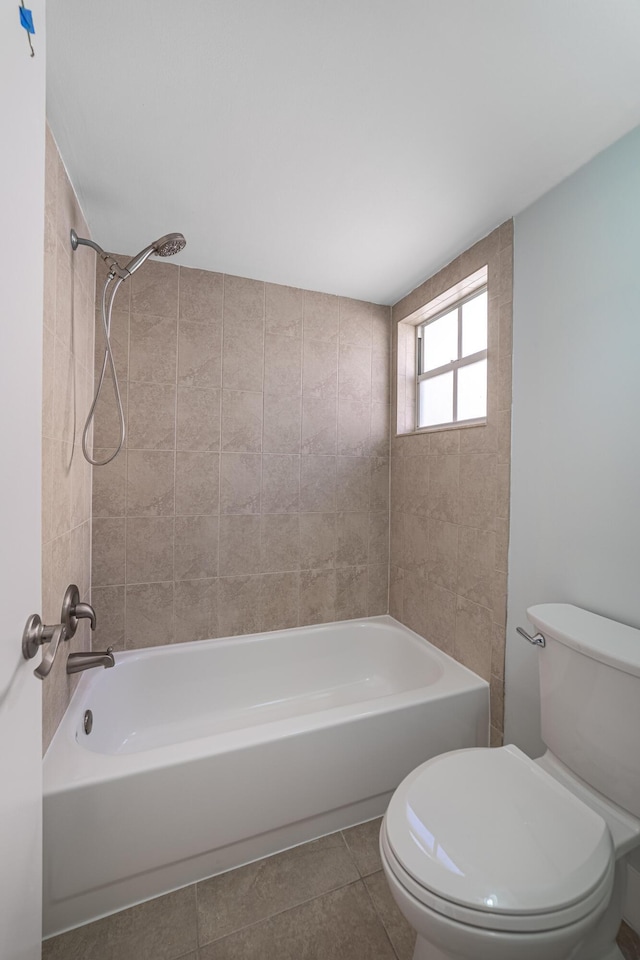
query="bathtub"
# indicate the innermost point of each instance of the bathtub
(207, 755)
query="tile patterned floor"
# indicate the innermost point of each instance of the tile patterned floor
(325, 900)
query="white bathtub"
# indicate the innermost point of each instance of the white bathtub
(207, 755)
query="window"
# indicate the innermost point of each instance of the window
(452, 364)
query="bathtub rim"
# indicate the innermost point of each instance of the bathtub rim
(68, 764)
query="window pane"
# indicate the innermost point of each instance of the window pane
(440, 342)
(436, 400)
(472, 391)
(474, 325)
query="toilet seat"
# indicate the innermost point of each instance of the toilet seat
(488, 838)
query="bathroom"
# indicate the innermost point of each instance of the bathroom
(303, 446)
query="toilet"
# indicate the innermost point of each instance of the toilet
(493, 856)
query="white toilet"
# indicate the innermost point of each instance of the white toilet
(493, 856)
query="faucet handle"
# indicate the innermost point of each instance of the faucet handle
(73, 610)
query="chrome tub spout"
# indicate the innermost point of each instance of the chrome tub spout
(77, 662)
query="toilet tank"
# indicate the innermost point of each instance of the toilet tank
(590, 698)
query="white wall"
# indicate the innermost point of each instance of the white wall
(575, 496)
(22, 129)
(575, 463)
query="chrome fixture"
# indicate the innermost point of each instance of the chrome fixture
(536, 639)
(73, 610)
(36, 633)
(166, 246)
(77, 662)
(87, 722)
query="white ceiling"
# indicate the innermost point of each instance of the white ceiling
(348, 146)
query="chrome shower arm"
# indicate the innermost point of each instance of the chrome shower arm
(111, 262)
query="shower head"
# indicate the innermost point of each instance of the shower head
(166, 246)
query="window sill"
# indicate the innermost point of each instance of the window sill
(441, 428)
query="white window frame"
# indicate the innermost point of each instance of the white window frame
(454, 365)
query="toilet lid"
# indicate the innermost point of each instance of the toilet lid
(491, 831)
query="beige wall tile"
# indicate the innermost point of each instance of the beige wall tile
(320, 369)
(354, 371)
(317, 596)
(476, 565)
(321, 316)
(444, 488)
(317, 540)
(197, 483)
(149, 615)
(283, 310)
(239, 545)
(240, 482)
(355, 484)
(282, 366)
(282, 425)
(377, 589)
(280, 484)
(318, 484)
(378, 537)
(379, 488)
(198, 419)
(477, 505)
(108, 561)
(351, 592)
(442, 559)
(319, 427)
(199, 354)
(354, 428)
(110, 485)
(465, 491)
(243, 300)
(279, 598)
(474, 631)
(352, 539)
(201, 295)
(68, 325)
(154, 289)
(414, 602)
(241, 356)
(150, 483)
(196, 548)
(108, 602)
(239, 605)
(153, 348)
(279, 543)
(152, 416)
(196, 610)
(355, 321)
(241, 421)
(242, 359)
(149, 549)
(396, 592)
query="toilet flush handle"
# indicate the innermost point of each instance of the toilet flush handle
(537, 638)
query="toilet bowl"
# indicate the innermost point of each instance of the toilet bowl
(491, 855)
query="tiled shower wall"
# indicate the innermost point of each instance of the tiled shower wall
(253, 491)
(69, 281)
(450, 493)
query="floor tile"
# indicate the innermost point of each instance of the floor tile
(236, 899)
(402, 936)
(629, 942)
(363, 844)
(161, 929)
(341, 925)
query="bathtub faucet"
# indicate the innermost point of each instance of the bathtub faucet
(76, 662)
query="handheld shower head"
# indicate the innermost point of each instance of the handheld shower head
(164, 247)
(167, 246)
